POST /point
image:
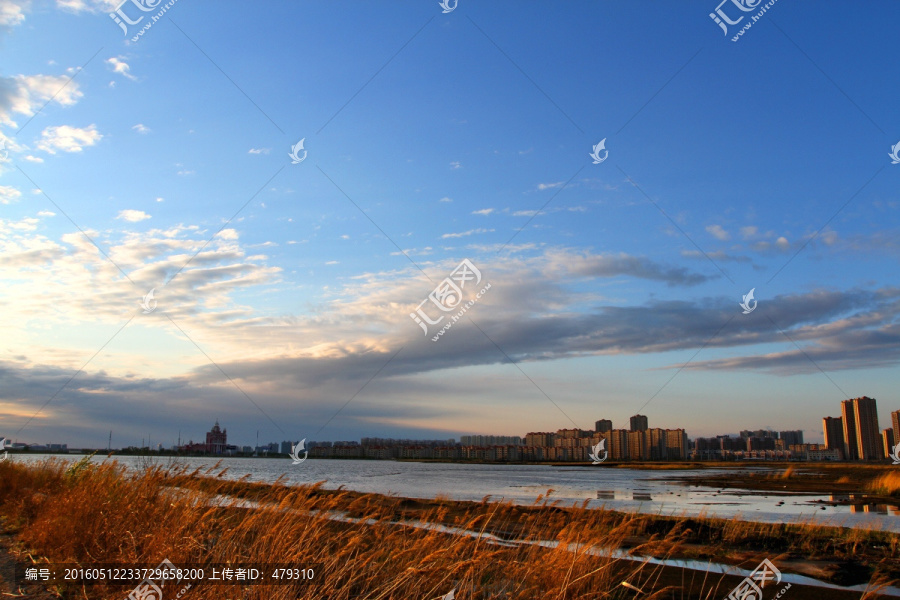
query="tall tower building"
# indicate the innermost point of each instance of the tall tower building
(602, 425)
(887, 441)
(848, 416)
(868, 436)
(833, 427)
(637, 445)
(791, 437)
(895, 421)
(676, 444)
(639, 423)
(657, 444)
(618, 444)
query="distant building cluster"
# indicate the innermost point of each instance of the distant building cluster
(855, 435)
(39, 447)
(763, 444)
(216, 443)
(641, 443)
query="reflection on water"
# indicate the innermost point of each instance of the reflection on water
(881, 509)
(858, 504)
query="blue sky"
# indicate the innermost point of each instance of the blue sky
(284, 290)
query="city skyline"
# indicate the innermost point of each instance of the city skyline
(833, 429)
(665, 224)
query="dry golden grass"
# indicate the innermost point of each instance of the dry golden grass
(887, 484)
(788, 473)
(103, 514)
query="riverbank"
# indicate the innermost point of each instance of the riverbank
(847, 484)
(371, 545)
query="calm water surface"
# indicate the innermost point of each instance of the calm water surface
(617, 489)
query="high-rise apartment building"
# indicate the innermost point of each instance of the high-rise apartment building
(639, 423)
(637, 445)
(895, 421)
(791, 437)
(887, 441)
(676, 444)
(868, 434)
(848, 416)
(602, 425)
(862, 438)
(618, 444)
(539, 438)
(657, 443)
(833, 428)
(759, 433)
(490, 440)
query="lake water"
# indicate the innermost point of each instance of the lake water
(613, 488)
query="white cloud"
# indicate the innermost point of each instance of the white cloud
(11, 12)
(94, 6)
(525, 213)
(184, 172)
(259, 150)
(9, 194)
(782, 243)
(550, 186)
(829, 237)
(160, 199)
(46, 213)
(446, 199)
(141, 128)
(132, 216)
(34, 159)
(717, 232)
(26, 94)
(121, 67)
(748, 232)
(333, 262)
(455, 165)
(68, 138)
(483, 211)
(466, 233)
(228, 234)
